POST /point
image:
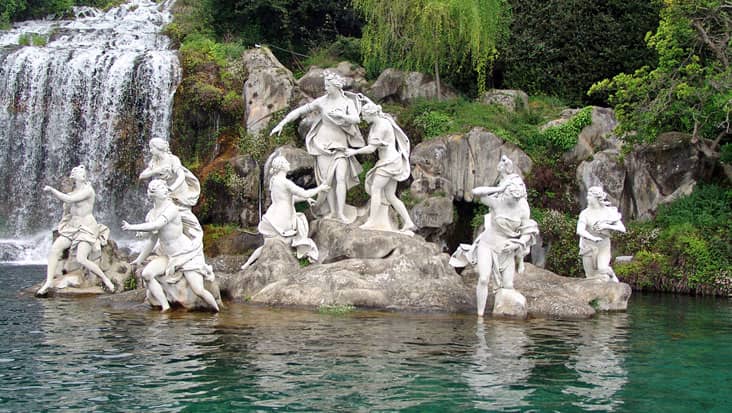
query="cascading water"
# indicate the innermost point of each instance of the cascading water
(94, 94)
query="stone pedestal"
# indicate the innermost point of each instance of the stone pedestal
(510, 304)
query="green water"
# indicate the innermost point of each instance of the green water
(667, 353)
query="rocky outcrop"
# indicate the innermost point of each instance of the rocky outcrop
(510, 99)
(73, 279)
(362, 268)
(549, 295)
(456, 164)
(647, 177)
(404, 87)
(354, 77)
(598, 136)
(269, 88)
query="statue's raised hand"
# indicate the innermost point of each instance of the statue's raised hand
(47, 189)
(126, 226)
(277, 130)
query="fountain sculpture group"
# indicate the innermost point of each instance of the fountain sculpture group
(178, 273)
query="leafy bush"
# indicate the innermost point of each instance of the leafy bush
(433, 123)
(558, 234)
(645, 270)
(564, 136)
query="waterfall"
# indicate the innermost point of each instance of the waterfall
(100, 87)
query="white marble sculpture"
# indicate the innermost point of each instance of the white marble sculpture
(509, 233)
(183, 185)
(178, 272)
(281, 221)
(392, 144)
(77, 230)
(594, 227)
(331, 135)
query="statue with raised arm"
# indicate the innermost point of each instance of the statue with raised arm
(594, 227)
(77, 230)
(281, 221)
(392, 144)
(328, 140)
(179, 271)
(508, 235)
(183, 185)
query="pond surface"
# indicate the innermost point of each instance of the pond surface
(667, 353)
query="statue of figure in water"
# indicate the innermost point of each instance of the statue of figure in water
(392, 144)
(281, 221)
(508, 235)
(183, 185)
(179, 256)
(328, 140)
(594, 226)
(78, 229)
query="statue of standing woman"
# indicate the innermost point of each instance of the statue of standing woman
(334, 132)
(594, 226)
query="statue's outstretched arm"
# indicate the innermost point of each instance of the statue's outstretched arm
(77, 196)
(296, 113)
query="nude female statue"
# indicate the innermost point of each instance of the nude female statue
(281, 220)
(594, 226)
(177, 251)
(331, 135)
(77, 229)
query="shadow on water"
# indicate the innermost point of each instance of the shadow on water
(80, 355)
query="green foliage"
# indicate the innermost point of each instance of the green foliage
(433, 35)
(690, 88)
(725, 153)
(357, 195)
(562, 47)
(408, 199)
(32, 39)
(336, 309)
(558, 233)
(261, 146)
(343, 48)
(552, 185)
(18, 10)
(564, 136)
(433, 123)
(130, 283)
(645, 270)
(214, 232)
(479, 216)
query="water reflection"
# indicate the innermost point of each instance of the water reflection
(599, 360)
(499, 366)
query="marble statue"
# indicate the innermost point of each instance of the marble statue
(179, 270)
(77, 230)
(508, 235)
(594, 226)
(183, 185)
(281, 220)
(386, 137)
(335, 130)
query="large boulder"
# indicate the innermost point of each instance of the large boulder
(353, 75)
(650, 175)
(404, 87)
(595, 137)
(363, 268)
(510, 99)
(462, 162)
(269, 88)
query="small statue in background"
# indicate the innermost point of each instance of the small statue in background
(508, 235)
(393, 167)
(281, 220)
(78, 229)
(328, 140)
(179, 271)
(594, 226)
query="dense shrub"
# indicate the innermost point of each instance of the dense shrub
(558, 235)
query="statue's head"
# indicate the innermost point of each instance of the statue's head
(160, 145)
(597, 194)
(78, 173)
(279, 163)
(333, 79)
(157, 188)
(505, 165)
(371, 110)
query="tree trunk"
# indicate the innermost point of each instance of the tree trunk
(437, 82)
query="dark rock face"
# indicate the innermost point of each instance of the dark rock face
(404, 87)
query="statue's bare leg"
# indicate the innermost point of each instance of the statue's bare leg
(57, 249)
(390, 192)
(255, 255)
(484, 271)
(508, 274)
(82, 256)
(195, 281)
(341, 169)
(377, 191)
(153, 269)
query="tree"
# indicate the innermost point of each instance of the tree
(690, 89)
(433, 35)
